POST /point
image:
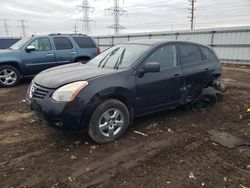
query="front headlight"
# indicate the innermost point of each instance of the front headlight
(68, 92)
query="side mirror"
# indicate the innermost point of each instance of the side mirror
(149, 67)
(30, 48)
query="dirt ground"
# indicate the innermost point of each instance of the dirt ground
(175, 150)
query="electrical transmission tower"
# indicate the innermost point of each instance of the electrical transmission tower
(75, 29)
(192, 11)
(23, 26)
(117, 11)
(86, 10)
(6, 27)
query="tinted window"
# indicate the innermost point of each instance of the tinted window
(208, 54)
(62, 43)
(41, 44)
(190, 54)
(165, 55)
(84, 42)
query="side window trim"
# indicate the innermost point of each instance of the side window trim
(202, 56)
(35, 51)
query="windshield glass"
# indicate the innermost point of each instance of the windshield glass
(19, 44)
(119, 56)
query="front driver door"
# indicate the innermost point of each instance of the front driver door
(160, 90)
(43, 57)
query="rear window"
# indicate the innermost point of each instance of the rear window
(190, 54)
(84, 42)
(62, 43)
(208, 54)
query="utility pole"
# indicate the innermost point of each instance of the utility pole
(6, 27)
(23, 26)
(75, 29)
(192, 11)
(116, 11)
(86, 10)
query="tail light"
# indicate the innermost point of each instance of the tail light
(98, 51)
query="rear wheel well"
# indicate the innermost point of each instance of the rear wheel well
(83, 58)
(12, 63)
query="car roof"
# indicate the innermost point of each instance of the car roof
(154, 42)
(61, 35)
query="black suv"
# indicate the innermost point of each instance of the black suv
(125, 81)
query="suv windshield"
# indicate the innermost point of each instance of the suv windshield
(119, 56)
(19, 44)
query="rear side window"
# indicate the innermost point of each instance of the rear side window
(190, 54)
(84, 42)
(62, 43)
(208, 54)
(165, 55)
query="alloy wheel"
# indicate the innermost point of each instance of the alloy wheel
(111, 122)
(8, 77)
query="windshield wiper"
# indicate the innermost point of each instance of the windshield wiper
(111, 54)
(103, 59)
(119, 60)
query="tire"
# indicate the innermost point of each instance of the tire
(105, 123)
(83, 60)
(9, 76)
(205, 102)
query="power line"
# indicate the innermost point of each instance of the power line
(192, 10)
(86, 10)
(23, 26)
(117, 11)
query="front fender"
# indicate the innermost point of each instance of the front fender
(124, 95)
(11, 58)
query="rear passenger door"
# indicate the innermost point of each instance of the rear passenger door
(196, 73)
(64, 50)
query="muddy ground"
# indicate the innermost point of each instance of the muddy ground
(175, 152)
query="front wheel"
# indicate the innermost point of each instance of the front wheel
(9, 76)
(109, 121)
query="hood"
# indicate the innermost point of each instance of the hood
(6, 51)
(58, 76)
(8, 54)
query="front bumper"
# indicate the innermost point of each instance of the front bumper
(59, 115)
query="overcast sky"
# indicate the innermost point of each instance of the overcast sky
(59, 16)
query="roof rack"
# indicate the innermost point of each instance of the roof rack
(55, 34)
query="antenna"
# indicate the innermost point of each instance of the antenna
(117, 12)
(86, 10)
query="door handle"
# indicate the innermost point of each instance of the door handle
(206, 69)
(72, 52)
(49, 54)
(177, 75)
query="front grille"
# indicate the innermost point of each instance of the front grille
(39, 92)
